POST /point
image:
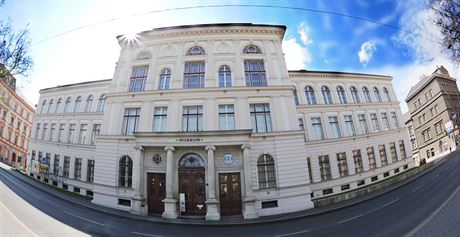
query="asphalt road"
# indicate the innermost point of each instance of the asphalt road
(406, 211)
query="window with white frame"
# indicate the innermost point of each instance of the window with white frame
(37, 131)
(160, 119)
(341, 94)
(386, 123)
(342, 164)
(90, 171)
(438, 127)
(52, 131)
(394, 155)
(165, 79)
(65, 172)
(426, 134)
(402, 149)
(130, 120)
(192, 118)
(327, 97)
(371, 158)
(196, 50)
(252, 49)
(310, 175)
(57, 109)
(254, 71)
(310, 95)
(101, 103)
(375, 122)
(367, 95)
(324, 168)
(61, 132)
(77, 169)
(260, 117)
(225, 76)
(82, 134)
(335, 128)
(358, 161)
(317, 128)
(394, 118)
(349, 124)
(266, 171)
(387, 94)
(377, 95)
(45, 131)
(125, 172)
(138, 78)
(50, 105)
(363, 123)
(226, 117)
(96, 131)
(42, 109)
(71, 134)
(355, 95)
(76, 107)
(89, 104)
(194, 74)
(383, 155)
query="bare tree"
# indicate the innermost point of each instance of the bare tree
(447, 18)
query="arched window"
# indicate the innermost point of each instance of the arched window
(367, 95)
(266, 171)
(355, 95)
(310, 95)
(43, 107)
(377, 95)
(57, 109)
(165, 78)
(387, 94)
(191, 160)
(225, 76)
(341, 94)
(76, 107)
(89, 103)
(196, 50)
(67, 105)
(125, 169)
(143, 55)
(252, 49)
(50, 105)
(101, 104)
(327, 97)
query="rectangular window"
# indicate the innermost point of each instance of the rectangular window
(71, 133)
(66, 166)
(350, 125)
(82, 135)
(386, 123)
(438, 127)
(394, 119)
(374, 178)
(45, 131)
(56, 165)
(77, 169)
(269, 204)
(361, 182)
(90, 171)
(394, 155)
(345, 187)
(325, 168)
(96, 131)
(363, 123)
(260, 118)
(192, 118)
(130, 120)
(327, 191)
(371, 158)
(194, 74)
(357, 160)
(383, 155)
(375, 123)
(310, 175)
(254, 72)
(402, 149)
(426, 134)
(226, 117)
(160, 119)
(335, 129)
(342, 163)
(61, 132)
(138, 78)
(52, 131)
(317, 128)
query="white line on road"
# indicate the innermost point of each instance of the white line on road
(293, 233)
(419, 187)
(19, 221)
(435, 177)
(144, 234)
(390, 203)
(88, 220)
(349, 219)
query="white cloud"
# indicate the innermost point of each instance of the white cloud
(304, 32)
(297, 57)
(367, 52)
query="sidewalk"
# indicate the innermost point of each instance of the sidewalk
(224, 221)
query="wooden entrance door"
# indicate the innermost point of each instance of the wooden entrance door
(230, 194)
(156, 192)
(192, 184)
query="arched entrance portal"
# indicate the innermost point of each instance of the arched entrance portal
(192, 184)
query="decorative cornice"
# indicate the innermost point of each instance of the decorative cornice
(308, 74)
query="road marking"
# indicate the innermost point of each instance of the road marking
(349, 219)
(419, 187)
(293, 233)
(448, 167)
(19, 221)
(417, 228)
(435, 177)
(137, 233)
(390, 203)
(88, 220)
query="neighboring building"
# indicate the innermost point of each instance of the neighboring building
(15, 123)
(413, 140)
(205, 120)
(434, 104)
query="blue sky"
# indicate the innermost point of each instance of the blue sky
(313, 41)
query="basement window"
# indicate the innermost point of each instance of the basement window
(327, 191)
(124, 202)
(361, 182)
(406, 166)
(374, 178)
(345, 187)
(269, 204)
(386, 174)
(396, 170)
(76, 190)
(65, 186)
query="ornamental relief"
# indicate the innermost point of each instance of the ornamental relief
(155, 159)
(223, 47)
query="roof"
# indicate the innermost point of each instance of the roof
(425, 80)
(337, 73)
(75, 84)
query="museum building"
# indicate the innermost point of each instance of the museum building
(206, 121)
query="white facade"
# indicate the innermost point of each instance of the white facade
(208, 111)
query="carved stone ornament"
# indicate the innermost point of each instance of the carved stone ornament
(156, 159)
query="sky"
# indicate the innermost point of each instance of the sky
(75, 40)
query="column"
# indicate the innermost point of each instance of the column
(249, 201)
(334, 167)
(211, 202)
(170, 203)
(350, 163)
(138, 200)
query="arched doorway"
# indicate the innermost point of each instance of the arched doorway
(192, 184)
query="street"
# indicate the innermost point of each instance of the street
(427, 206)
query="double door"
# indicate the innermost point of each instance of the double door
(230, 194)
(192, 185)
